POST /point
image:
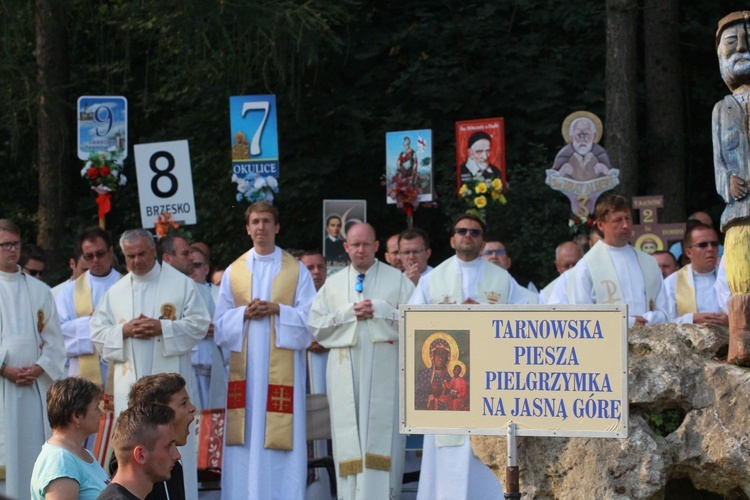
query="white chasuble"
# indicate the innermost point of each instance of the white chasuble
(250, 470)
(621, 275)
(362, 378)
(29, 334)
(165, 294)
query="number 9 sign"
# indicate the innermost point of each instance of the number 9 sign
(165, 182)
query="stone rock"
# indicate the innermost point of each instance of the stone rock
(674, 371)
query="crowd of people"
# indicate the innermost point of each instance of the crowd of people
(164, 339)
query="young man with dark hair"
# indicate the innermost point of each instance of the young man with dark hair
(145, 446)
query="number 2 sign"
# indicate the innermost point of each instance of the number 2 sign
(165, 182)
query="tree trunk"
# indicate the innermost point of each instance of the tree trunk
(665, 124)
(52, 125)
(620, 128)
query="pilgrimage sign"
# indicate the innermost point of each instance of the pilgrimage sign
(582, 170)
(650, 236)
(550, 371)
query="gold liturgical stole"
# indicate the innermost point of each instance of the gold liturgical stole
(88, 364)
(280, 399)
(684, 292)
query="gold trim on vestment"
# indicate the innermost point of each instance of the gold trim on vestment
(684, 293)
(377, 462)
(349, 467)
(89, 366)
(279, 409)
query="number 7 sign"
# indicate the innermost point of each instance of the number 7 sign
(165, 182)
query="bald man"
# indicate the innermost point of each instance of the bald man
(567, 255)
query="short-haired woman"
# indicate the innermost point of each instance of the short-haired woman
(65, 469)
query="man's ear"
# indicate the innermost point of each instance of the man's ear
(140, 455)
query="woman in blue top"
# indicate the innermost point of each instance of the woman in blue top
(65, 469)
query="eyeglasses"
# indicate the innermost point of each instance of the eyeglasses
(409, 253)
(704, 244)
(463, 230)
(99, 255)
(360, 284)
(33, 272)
(10, 245)
(489, 253)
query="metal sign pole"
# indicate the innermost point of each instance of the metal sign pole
(512, 490)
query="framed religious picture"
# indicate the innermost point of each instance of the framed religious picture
(480, 151)
(338, 217)
(408, 165)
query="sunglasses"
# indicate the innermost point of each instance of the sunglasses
(488, 253)
(99, 255)
(33, 272)
(461, 231)
(360, 284)
(704, 244)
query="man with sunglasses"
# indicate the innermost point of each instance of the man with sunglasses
(613, 272)
(209, 360)
(77, 301)
(33, 260)
(355, 314)
(690, 291)
(449, 467)
(31, 358)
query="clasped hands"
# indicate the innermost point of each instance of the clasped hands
(23, 376)
(142, 327)
(260, 309)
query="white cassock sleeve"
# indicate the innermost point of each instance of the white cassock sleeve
(106, 332)
(52, 358)
(670, 287)
(75, 330)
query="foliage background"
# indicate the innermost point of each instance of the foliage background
(344, 72)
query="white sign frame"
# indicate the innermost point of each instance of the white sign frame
(450, 317)
(165, 167)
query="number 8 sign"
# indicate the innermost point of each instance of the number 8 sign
(165, 182)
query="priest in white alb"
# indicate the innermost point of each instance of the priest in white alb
(261, 316)
(147, 323)
(355, 315)
(614, 272)
(691, 291)
(449, 467)
(79, 298)
(32, 357)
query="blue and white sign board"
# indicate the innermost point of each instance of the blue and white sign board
(255, 146)
(102, 125)
(165, 182)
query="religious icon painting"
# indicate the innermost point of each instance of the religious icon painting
(480, 151)
(442, 370)
(167, 310)
(338, 217)
(582, 170)
(408, 166)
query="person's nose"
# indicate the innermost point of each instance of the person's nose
(742, 42)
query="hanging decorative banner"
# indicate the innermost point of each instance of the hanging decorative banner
(255, 147)
(165, 182)
(480, 151)
(102, 126)
(408, 167)
(582, 170)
